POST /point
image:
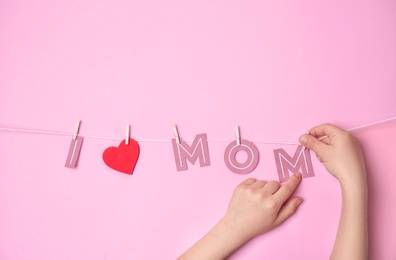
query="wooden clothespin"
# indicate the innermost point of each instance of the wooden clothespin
(128, 134)
(237, 135)
(176, 134)
(77, 129)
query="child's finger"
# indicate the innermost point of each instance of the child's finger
(271, 187)
(258, 184)
(324, 130)
(287, 210)
(247, 182)
(288, 188)
(314, 144)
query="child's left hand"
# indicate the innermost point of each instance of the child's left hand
(259, 206)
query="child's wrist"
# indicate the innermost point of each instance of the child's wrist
(356, 185)
(351, 176)
(236, 231)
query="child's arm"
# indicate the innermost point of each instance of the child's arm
(340, 152)
(255, 208)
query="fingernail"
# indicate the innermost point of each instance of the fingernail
(299, 201)
(297, 174)
(303, 139)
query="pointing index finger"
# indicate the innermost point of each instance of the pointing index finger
(288, 188)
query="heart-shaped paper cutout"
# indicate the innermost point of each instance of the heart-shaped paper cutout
(122, 158)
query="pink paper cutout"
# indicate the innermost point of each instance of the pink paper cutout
(198, 149)
(285, 163)
(74, 152)
(252, 157)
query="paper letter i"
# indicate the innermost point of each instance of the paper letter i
(74, 152)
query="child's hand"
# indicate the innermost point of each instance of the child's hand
(259, 206)
(339, 151)
(341, 154)
(255, 208)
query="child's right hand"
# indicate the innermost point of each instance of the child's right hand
(341, 154)
(339, 151)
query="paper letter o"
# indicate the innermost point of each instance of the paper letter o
(241, 167)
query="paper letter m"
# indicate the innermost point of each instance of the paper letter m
(300, 162)
(198, 150)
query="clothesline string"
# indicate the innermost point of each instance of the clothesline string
(32, 131)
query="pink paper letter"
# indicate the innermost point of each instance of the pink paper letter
(183, 152)
(252, 157)
(74, 152)
(301, 160)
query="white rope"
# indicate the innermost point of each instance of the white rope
(371, 124)
(45, 132)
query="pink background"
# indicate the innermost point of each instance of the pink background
(276, 68)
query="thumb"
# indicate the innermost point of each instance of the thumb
(314, 144)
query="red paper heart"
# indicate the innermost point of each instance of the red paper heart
(122, 158)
